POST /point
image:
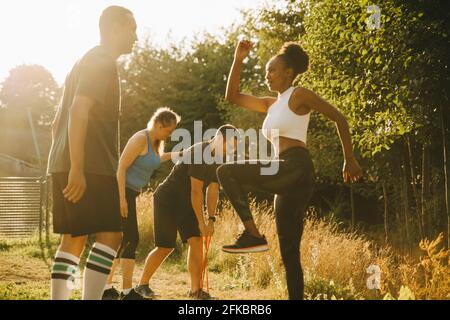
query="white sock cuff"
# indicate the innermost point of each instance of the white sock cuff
(127, 291)
(105, 248)
(65, 255)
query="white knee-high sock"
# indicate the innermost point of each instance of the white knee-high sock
(64, 271)
(98, 267)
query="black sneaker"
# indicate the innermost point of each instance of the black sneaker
(111, 294)
(247, 243)
(145, 291)
(200, 294)
(132, 295)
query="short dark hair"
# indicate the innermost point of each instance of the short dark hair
(112, 15)
(294, 57)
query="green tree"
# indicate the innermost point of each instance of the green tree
(28, 100)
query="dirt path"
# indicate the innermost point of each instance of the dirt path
(25, 277)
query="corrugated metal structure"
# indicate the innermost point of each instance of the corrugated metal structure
(23, 203)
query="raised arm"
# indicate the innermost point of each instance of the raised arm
(351, 171)
(233, 94)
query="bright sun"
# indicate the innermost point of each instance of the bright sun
(55, 33)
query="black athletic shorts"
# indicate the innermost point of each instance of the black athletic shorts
(172, 215)
(97, 211)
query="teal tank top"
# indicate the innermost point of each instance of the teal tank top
(140, 172)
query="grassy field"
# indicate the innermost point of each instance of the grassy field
(337, 265)
(25, 275)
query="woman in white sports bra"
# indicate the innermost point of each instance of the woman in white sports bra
(286, 127)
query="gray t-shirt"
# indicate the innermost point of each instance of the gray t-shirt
(95, 76)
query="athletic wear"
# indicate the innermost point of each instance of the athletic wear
(247, 243)
(172, 199)
(64, 273)
(200, 294)
(172, 215)
(145, 291)
(130, 238)
(179, 180)
(137, 177)
(126, 291)
(293, 186)
(94, 76)
(132, 295)
(96, 272)
(111, 294)
(281, 118)
(97, 211)
(142, 169)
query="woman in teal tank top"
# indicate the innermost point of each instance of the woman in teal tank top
(142, 155)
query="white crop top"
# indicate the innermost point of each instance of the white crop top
(282, 121)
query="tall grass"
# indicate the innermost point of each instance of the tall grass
(337, 264)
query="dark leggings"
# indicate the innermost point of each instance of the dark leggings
(293, 185)
(130, 239)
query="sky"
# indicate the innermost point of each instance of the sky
(55, 33)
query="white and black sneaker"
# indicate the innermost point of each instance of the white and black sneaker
(132, 295)
(247, 243)
(111, 294)
(145, 291)
(200, 294)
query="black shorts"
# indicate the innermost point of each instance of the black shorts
(97, 211)
(172, 215)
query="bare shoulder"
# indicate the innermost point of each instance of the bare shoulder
(302, 100)
(303, 93)
(308, 97)
(138, 139)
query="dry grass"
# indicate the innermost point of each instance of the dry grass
(335, 262)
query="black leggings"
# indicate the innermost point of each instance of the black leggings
(293, 185)
(130, 228)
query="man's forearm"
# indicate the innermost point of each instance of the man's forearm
(211, 202)
(77, 137)
(197, 200)
(212, 208)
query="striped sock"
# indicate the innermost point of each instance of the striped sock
(98, 266)
(63, 275)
